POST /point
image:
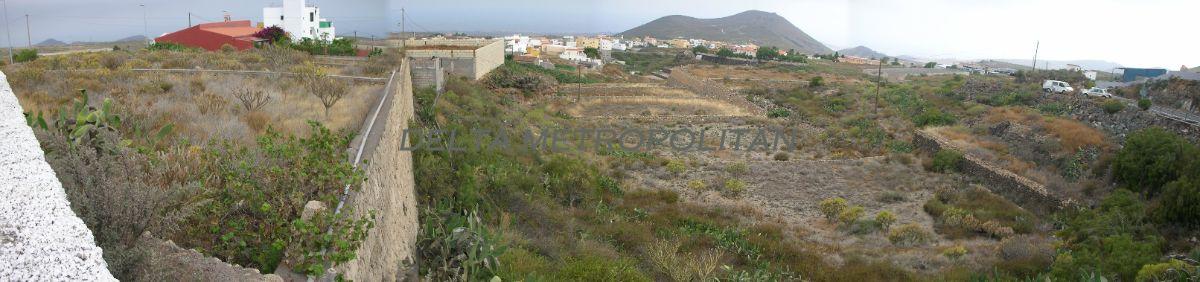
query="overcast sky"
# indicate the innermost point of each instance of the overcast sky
(1149, 33)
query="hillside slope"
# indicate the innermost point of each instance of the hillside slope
(757, 27)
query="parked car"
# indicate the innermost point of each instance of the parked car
(1097, 92)
(1057, 86)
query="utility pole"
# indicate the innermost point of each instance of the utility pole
(1035, 51)
(402, 27)
(8, 32)
(145, 25)
(28, 34)
(878, 84)
(189, 19)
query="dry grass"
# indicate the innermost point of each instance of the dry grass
(1072, 134)
(653, 106)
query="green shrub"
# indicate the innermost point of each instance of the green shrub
(954, 252)
(1152, 158)
(735, 186)
(832, 207)
(816, 81)
(909, 235)
(167, 46)
(1180, 202)
(779, 113)
(947, 160)
(25, 55)
(696, 184)
(1167, 271)
(737, 169)
(1112, 106)
(1055, 108)
(885, 219)
(1113, 239)
(1144, 104)
(850, 216)
(933, 117)
(676, 166)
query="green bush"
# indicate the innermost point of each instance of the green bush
(832, 207)
(735, 186)
(779, 113)
(737, 169)
(1113, 239)
(947, 160)
(909, 235)
(850, 215)
(934, 117)
(676, 166)
(885, 219)
(1144, 104)
(1112, 106)
(1180, 202)
(1152, 158)
(816, 81)
(25, 55)
(1167, 271)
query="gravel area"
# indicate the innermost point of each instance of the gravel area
(41, 239)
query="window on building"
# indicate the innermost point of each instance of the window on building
(310, 17)
(281, 17)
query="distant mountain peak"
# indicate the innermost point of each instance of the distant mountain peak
(752, 26)
(50, 42)
(862, 51)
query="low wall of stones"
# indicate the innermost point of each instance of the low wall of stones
(388, 252)
(1026, 193)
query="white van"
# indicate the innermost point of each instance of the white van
(1056, 86)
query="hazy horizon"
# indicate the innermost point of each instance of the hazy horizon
(1136, 34)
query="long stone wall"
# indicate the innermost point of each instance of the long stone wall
(1026, 193)
(41, 239)
(388, 252)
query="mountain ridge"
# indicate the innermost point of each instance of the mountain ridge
(753, 26)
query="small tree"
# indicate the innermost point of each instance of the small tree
(930, 65)
(816, 81)
(591, 53)
(1144, 104)
(319, 84)
(766, 53)
(832, 207)
(273, 34)
(699, 49)
(252, 100)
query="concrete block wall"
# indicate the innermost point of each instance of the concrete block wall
(41, 239)
(427, 72)
(474, 61)
(388, 253)
(1026, 193)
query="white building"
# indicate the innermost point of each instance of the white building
(607, 44)
(1090, 75)
(516, 44)
(299, 20)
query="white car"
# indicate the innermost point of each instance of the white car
(1097, 92)
(1056, 86)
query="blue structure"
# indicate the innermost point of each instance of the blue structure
(1131, 74)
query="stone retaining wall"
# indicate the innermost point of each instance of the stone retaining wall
(1026, 193)
(388, 253)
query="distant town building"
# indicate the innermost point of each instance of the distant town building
(1074, 67)
(587, 42)
(211, 36)
(1132, 74)
(516, 44)
(1090, 75)
(678, 43)
(299, 20)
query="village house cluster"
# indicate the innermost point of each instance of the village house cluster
(572, 48)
